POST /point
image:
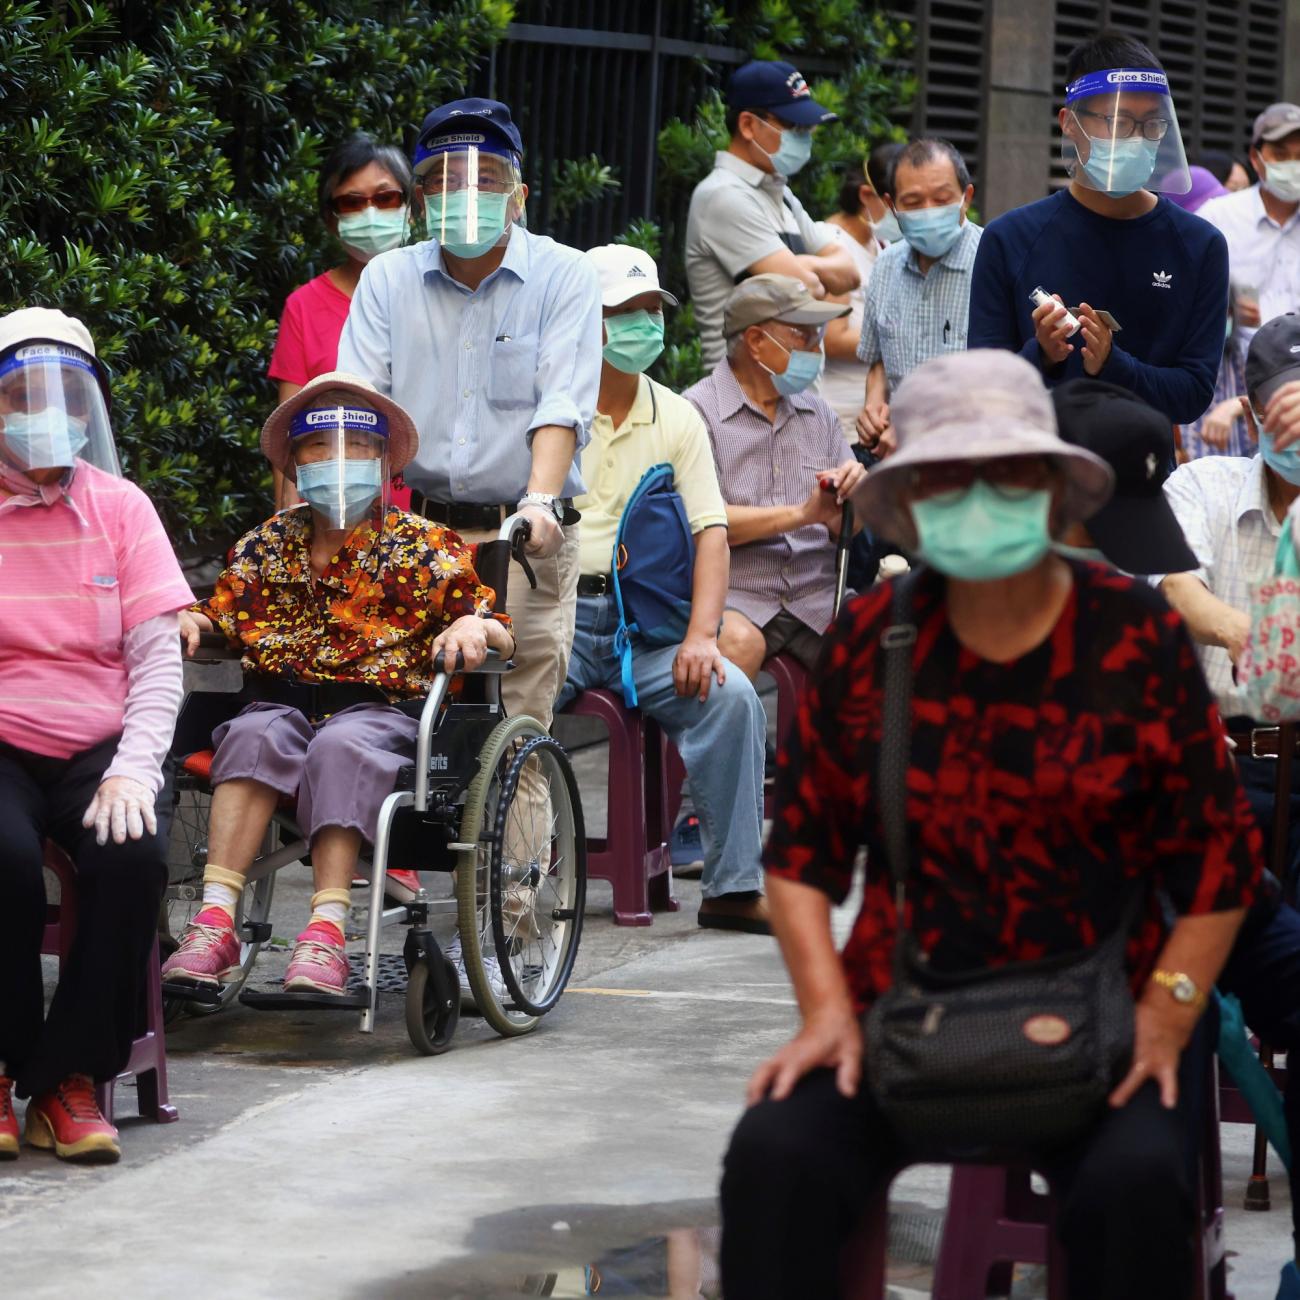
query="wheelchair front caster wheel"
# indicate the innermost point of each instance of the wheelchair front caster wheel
(430, 1021)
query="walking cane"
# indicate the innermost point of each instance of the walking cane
(842, 556)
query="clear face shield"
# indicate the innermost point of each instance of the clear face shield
(52, 410)
(472, 193)
(340, 455)
(1121, 133)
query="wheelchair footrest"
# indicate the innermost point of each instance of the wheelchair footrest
(208, 994)
(355, 999)
(256, 931)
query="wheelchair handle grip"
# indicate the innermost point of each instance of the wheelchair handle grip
(440, 663)
(515, 532)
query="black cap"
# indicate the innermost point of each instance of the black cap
(1135, 529)
(776, 88)
(1273, 358)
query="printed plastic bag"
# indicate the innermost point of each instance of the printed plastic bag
(1269, 670)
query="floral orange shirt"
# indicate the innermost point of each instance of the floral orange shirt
(369, 618)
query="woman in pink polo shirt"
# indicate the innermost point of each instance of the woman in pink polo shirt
(365, 200)
(90, 683)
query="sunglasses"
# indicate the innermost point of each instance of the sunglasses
(1011, 475)
(344, 205)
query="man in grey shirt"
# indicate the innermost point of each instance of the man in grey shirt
(743, 220)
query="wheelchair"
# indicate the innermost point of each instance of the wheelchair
(490, 800)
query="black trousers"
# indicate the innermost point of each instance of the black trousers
(98, 1007)
(799, 1172)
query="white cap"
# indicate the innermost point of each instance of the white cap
(626, 272)
(47, 325)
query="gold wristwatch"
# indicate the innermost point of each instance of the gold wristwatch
(1182, 988)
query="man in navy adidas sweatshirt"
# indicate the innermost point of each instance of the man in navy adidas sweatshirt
(1108, 243)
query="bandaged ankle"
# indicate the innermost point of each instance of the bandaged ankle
(330, 905)
(222, 888)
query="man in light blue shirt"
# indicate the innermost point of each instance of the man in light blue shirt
(918, 298)
(491, 338)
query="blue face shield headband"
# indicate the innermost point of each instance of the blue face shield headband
(1131, 145)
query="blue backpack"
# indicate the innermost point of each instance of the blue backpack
(653, 570)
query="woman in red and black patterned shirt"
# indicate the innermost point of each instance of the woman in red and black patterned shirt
(1063, 743)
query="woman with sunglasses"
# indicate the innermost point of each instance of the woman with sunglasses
(365, 201)
(1067, 772)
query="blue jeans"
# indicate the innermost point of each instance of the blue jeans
(720, 741)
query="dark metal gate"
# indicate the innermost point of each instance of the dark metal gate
(602, 77)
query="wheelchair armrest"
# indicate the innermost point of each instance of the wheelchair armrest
(494, 663)
(213, 649)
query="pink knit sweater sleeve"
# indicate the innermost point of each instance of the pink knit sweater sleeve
(151, 651)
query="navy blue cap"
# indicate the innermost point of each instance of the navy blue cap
(779, 89)
(490, 115)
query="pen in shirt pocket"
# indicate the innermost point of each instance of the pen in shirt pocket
(947, 329)
(503, 338)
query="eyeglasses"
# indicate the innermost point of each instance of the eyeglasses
(434, 183)
(1124, 126)
(810, 336)
(1010, 475)
(344, 205)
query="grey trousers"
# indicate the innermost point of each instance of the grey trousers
(341, 771)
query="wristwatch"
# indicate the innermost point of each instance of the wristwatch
(1182, 988)
(547, 501)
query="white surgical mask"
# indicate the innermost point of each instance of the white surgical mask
(1283, 180)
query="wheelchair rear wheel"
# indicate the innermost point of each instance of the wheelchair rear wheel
(187, 855)
(520, 894)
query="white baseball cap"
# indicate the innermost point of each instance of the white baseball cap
(47, 325)
(626, 272)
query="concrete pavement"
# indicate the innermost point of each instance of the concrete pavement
(312, 1160)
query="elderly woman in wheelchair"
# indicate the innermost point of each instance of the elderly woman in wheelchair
(339, 606)
(90, 681)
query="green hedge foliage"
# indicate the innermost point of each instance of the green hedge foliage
(159, 182)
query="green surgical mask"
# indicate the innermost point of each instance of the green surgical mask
(983, 533)
(372, 231)
(1092, 554)
(449, 221)
(634, 340)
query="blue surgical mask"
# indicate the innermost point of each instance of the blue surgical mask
(801, 369)
(1120, 167)
(792, 153)
(341, 490)
(1285, 463)
(449, 221)
(982, 533)
(931, 231)
(48, 439)
(887, 229)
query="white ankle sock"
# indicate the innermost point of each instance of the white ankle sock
(331, 905)
(221, 888)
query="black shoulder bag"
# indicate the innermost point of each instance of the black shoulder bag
(996, 1063)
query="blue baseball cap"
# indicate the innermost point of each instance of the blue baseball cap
(488, 115)
(779, 89)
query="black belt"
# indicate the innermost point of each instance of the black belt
(473, 515)
(1259, 742)
(594, 584)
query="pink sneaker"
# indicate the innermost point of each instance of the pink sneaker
(319, 963)
(402, 886)
(8, 1121)
(209, 951)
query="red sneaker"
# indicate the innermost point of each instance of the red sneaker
(68, 1121)
(8, 1121)
(402, 886)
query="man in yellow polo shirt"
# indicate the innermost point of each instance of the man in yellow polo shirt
(702, 701)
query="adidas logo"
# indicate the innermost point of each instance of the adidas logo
(1161, 279)
(635, 273)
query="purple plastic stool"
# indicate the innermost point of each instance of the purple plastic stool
(633, 856)
(148, 1060)
(995, 1220)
